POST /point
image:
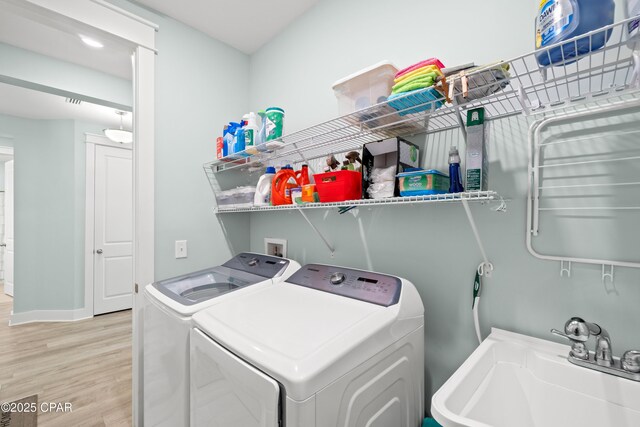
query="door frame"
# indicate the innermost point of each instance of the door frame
(7, 151)
(120, 24)
(91, 140)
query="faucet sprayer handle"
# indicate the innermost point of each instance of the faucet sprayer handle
(560, 334)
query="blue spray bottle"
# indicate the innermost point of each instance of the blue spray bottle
(455, 183)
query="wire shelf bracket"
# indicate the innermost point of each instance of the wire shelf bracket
(318, 233)
(485, 268)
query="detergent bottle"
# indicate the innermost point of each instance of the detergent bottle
(559, 20)
(281, 186)
(229, 137)
(263, 188)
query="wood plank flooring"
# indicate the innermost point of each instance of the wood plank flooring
(86, 363)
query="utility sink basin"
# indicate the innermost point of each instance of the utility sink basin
(514, 380)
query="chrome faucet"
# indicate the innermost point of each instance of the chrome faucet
(578, 332)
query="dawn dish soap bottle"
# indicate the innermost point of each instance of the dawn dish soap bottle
(559, 20)
(455, 183)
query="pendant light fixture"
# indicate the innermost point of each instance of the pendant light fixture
(119, 135)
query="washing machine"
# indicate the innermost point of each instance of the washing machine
(169, 305)
(329, 347)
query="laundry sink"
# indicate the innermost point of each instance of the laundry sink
(516, 380)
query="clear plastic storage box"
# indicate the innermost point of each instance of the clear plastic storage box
(237, 197)
(365, 88)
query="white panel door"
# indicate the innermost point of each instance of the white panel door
(113, 251)
(8, 228)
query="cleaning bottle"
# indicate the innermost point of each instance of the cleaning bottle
(251, 130)
(559, 20)
(262, 132)
(455, 183)
(302, 176)
(263, 188)
(238, 140)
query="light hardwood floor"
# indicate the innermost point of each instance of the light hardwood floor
(86, 363)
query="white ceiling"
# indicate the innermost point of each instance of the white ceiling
(245, 25)
(64, 43)
(31, 104)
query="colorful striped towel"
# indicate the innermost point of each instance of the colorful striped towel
(430, 61)
(419, 82)
(419, 71)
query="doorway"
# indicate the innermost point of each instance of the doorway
(109, 225)
(114, 25)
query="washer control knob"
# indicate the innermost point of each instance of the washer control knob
(337, 278)
(253, 262)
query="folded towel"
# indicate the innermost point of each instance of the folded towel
(423, 70)
(417, 78)
(420, 100)
(430, 61)
(415, 83)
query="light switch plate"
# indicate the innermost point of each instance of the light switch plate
(181, 249)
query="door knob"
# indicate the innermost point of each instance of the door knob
(4, 245)
(98, 251)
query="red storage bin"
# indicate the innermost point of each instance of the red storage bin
(338, 186)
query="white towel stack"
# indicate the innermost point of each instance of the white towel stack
(383, 182)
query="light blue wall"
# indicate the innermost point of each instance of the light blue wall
(57, 75)
(49, 179)
(432, 245)
(201, 84)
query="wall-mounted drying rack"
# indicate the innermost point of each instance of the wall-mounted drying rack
(580, 189)
(595, 78)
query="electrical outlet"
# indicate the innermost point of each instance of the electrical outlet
(275, 247)
(181, 249)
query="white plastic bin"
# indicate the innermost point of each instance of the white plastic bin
(365, 88)
(236, 197)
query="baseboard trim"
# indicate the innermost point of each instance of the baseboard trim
(8, 289)
(48, 316)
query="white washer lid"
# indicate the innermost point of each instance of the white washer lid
(302, 337)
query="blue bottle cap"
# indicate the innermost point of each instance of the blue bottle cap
(270, 169)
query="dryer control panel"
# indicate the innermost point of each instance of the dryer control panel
(261, 265)
(366, 286)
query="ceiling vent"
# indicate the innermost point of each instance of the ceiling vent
(73, 101)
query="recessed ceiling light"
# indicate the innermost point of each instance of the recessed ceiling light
(91, 42)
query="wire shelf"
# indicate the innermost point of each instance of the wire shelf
(471, 196)
(527, 87)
